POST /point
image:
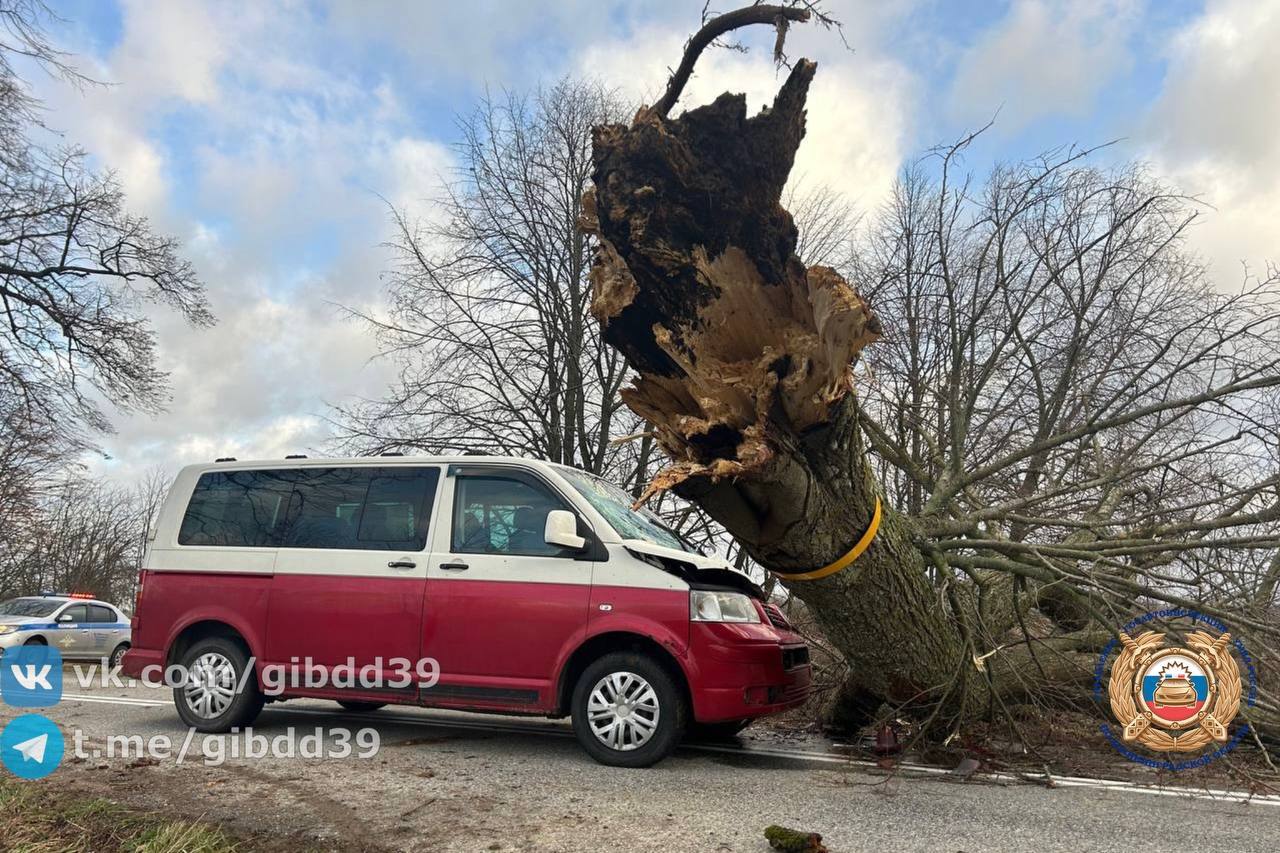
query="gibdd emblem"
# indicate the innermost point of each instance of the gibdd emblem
(1174, 699)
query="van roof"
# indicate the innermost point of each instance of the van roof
(329, 461)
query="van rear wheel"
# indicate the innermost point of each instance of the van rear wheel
(210, 699)
(628, 711)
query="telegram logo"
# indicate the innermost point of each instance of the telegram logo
(31, 746)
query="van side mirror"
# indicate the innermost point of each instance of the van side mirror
(65, 617)
(562, 530)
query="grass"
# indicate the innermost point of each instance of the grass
(40, 819)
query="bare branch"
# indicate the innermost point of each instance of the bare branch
(778, 16)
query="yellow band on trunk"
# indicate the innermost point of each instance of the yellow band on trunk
(847, 560)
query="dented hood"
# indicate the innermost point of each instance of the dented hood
(694, 559)
(699, 571)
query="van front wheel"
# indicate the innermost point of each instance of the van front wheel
(210, 699)
(628, 711)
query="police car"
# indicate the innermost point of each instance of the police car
(79, 626)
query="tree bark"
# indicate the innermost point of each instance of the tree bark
(743, 361)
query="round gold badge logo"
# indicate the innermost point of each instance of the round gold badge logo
(1175, 699)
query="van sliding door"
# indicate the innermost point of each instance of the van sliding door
(350, 575)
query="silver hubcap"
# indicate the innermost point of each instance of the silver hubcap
(211, 685)
(623, 711)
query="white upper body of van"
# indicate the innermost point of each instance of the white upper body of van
(624, 530)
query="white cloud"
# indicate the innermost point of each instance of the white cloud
(1221, 101)
(169, 53)
(171, 49)
(1045, 57)
(279, 437)
(495, 42)
(139, 164)
(1214, 128)
(257, 385)
(289, 161)
(857, 121)
(416, 169)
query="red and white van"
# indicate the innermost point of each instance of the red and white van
(533, 588)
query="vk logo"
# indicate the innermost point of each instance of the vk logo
(33, 679)
(31, 676)
(31, 746)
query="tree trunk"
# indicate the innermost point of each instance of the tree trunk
(743, 360)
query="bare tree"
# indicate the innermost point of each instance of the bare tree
(78, 274)
(826, 223)
(29, 459)
(1063, 420)
(90, 538)
(489, 314)
(76, 269)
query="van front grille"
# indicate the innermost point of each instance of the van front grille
(776, 618)
(795, 656)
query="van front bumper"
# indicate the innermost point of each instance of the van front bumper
(741, 671)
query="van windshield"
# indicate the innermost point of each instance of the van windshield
(29, 606)
(615, 505)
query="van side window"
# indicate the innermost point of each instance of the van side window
(237, 509)
(378, 509)
(500, 515)
(397, 509)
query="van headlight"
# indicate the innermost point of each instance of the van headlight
(708, 606)
(7, 629)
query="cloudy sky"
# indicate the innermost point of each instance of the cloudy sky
(267, 136)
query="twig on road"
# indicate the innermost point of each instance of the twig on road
(419, 807)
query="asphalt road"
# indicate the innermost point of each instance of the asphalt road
(443, 781)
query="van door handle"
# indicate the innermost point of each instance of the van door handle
(402, 564)
(454, 567)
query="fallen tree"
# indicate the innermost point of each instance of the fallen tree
(1066, 421)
